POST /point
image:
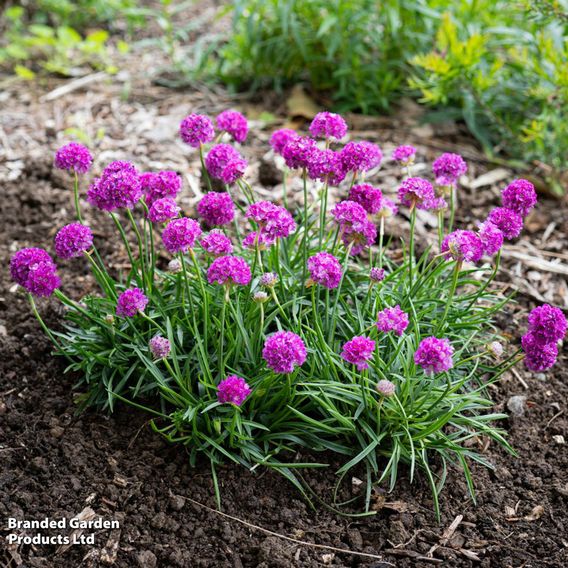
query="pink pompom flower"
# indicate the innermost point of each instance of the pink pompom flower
(159, 185)
(325, 270)
(358, 351)
(283, 351)
(233, 390)
(415, 191)
(42, 279)
(181, 234)
(359, 236)
(507, 221)
(159, 347)
(386, 388)
(448, 168)
(258, 239)
(404, 155)
(72, 240)
(118, 187)
(361, 156)
(234, 123)
(280, 138)
(274, 221)
(216, 243)
(216, 208)
(392, 319)
(519, 196)
(463, 246)
(196, 129)
(73, 157)
(131, 302)
(491, 237)
(348, 213)
(367, 196)
(163, 210)
(24, 259)
(326, 166)
(328, 125)
(229, 270)
(225, 163)
(434, 355)
(376, 275)
(297, 153)
(547, 324)
(538, 357)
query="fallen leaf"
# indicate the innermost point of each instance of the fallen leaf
(300, 104)
(535, 514)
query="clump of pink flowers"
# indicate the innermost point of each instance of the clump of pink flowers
(216, 208)
(229, 270)
(358, 351)
(74, 157)
(131, 302)
(73, 240)
(118, 187)
(181, 234)
(283, 351)
(233, 390)
(434, 355)
(392, 319)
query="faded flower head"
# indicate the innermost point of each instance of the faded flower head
(158, 185)
(269, 279)
(260, 297)
(496, 349)
(159, 347)
(538, 357)
(216, 208)
(388, 208)
(325, 269)
(175, 266)
(392, 319)
(297, 153)
(415, 191)
(234, 123)
(507, 221)
(196, 129)
(358, 351)
(181, 234)
(130, 302)
(216, 243)
(361, 156)
(377, 274)
(163, 210)
(73, 157)
(448, 168)
(119, 186)
(21, 262)
(233, 390)
(491, 237)
(386, 388)
(434, 355)
(369, 197)
(283, 351)
(225, 163)
(463, 246)
(328, 125)
(229, 270)
(404, 155)
(520, 197)
(72, 240)
(547, 324)
(280, 139)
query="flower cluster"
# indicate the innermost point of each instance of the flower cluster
(404, 155)
(196, 129)
(392, 319)
(463, 246)
(434, 355)
(216, 243)
(181, 234)
(34, 270)
(325, 269)
(326, 166)
(229, 270)
(225, 163)
(163, 210)
(298, 152)
(448, 168)
(159, 185)
(280, 139)
(233, 390)
(119, 186)
(369, 197)
(159, 347)
(283, 351)
(415, 191)
(73, 240)
(358, 351)
(73, 157)
(328, 125)
(361, 156)
(131, 302)
(274, 221)
(234, 123)
(216, 208)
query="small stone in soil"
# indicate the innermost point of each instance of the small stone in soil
(517, 404)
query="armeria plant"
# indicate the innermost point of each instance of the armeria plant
(270, 332)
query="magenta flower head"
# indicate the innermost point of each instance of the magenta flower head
(348, 213)
(404, 155)
(196, 129)
(298, 152)
(42, 279)
(328, 125)
(119, 186)
(159, 347)
(448, 168)
(73, 157)
(131, 302)
(216, 243)
(415, 191)
(358, 351)
(216, 208)
(280, 139)
(229, 270)
(181, 234)
(225, 163)
(434, 355)
(274, 221)
(376, 275)
(463, 246)
(24, 259)
(234, 123)
(547, 324)
(326, 166)
(284, 350)
(157, 185)
(520, 197)
(507, 221)
(258, 240)
(367, 196)
(538, 357)
(72, 240)
(388, 208)
(325, 269)
(163, 210)
(386, 388)
(491, 237)
(233, 390)
(359, 236)
(269, 279)
(436, 204)
(392, 319)
(361, 156)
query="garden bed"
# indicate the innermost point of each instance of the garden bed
(56, 464)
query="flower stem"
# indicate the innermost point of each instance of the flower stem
(411, 245)
(454, 285)
(43, 324)
(124, 238)
(305, 240)
(76, 196)
(204, 169)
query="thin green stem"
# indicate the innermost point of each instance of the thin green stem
(76, 196)
(454, 285)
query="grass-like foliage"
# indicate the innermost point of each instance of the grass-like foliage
(315, 332)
